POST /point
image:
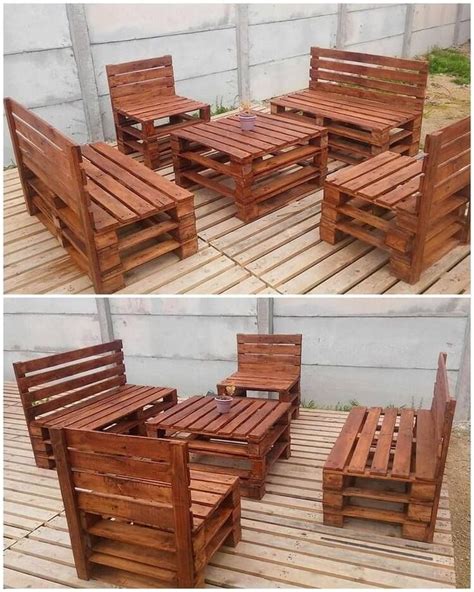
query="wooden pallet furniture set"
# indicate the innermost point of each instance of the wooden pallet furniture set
(388, 464)
(133, 504)
(261, 170)
(110, 212)
(245, 442)
(417, 210)
(84, 389)
(368, 103)
(143, 95)
(268, 363)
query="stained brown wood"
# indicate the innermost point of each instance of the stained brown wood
(254, 432)
(267, 363)
(159, 521)
(368, 103)
(267, 167)
(142, 94)
(110, 212)
(86, 389)
(417, 210)
(391, 455)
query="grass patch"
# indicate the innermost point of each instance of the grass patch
(452, 62)
(337, 407)
(219, 108)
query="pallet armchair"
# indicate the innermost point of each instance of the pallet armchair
(368, 103)
(109, 212)
(416, 209)
(133, 506)
(267, 363)
(388, 464)
(85, 388)
(143, 95)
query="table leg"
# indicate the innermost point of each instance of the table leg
(246, 207)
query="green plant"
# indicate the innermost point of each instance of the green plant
(220, 108)
(337, 407)
(450, 61)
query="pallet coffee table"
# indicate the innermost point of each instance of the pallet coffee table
(244, 442)
(261, 170)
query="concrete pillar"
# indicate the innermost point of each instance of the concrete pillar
(406, 47)
(243, 65)
(457, 26)
(85, 68)
(105, 319)
(265, 315)
(463, 384)
(341, 26)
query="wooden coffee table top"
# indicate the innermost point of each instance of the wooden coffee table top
(249, 419)
(271, 133)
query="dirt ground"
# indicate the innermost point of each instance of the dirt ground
(446, 102)
(458, 478)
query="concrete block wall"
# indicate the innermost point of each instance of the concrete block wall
(221, 51)
(377, 351)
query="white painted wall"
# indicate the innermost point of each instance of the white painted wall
(41, 69)
(378, 351)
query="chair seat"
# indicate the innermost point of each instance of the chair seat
(105, 408)
(385, 180)
(261, 381)
(158, 108)
(365, 113)
(208, 491)
(385, 443)
(122, 190)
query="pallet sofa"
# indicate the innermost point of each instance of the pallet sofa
(143, 94)
(368, 103)
(416, 209)
(267, 363)
(133, 506)
(388, 464)
(85, 389)
(109, 212)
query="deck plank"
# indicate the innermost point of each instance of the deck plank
(284, 542)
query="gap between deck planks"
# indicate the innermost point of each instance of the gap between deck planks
(284, 542)
(280, 253)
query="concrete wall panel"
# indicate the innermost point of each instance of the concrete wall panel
(264, 46)
(427, 16)
(270, 13)
(42, 78)
(423, 41)
(107, 24)
(32, 27)
(372, 24)
(276, 78)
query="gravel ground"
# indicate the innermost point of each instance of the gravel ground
(458, 478)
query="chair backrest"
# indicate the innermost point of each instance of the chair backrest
(52, 382)
(442, 412)
(132, 495)
(380, 78)
(47, 154)
(447, 165)
(274, 353)
(140, 80)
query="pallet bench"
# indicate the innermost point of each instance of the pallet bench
(417, 210)
(388, 464)
(261, 170)
(143, 95)
(84, 389)
(368, 103)
(267, 363)
(109, 212)
(133, 505)
(245, 442)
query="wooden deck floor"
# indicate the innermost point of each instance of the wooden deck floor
(279, 253)
(284, 542)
